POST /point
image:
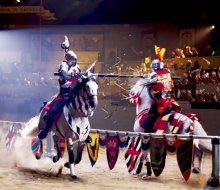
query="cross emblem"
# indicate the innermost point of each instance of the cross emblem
(133, 153)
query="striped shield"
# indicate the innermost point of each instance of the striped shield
(35, 145)
(184, 153)
(133, 155)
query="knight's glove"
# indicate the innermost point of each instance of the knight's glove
(153, 78)
(65, 45)
(76, 75)
(86, 74)
(146, 75)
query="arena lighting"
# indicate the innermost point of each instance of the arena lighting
(18, 1)
(203, 32)
(213, 26)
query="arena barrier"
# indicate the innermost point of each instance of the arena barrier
(212, 181)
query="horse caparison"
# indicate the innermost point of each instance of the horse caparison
(142, 95)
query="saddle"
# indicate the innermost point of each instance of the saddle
(48, 106)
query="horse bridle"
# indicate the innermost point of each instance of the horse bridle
(88, 95)
(148, 86)
(138, 95)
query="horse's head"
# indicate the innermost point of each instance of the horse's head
(89, 90)
(141, 93)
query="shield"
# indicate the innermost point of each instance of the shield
(158, 152)
(133, 155)
(184, 153)
(93, 148)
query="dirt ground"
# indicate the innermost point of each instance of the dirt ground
(19, 170)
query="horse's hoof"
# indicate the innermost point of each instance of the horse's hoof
(67, 165)
(55, 159)
(214, 182)
(145, 177)
(196, 170)
(74, 177)
(149, 173)
(38, 156)
(59, 171)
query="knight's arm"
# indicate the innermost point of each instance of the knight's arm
(151, 78)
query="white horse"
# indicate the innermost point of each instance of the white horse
(72, 125)
(142, 95)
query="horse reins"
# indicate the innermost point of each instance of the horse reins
(147, 109)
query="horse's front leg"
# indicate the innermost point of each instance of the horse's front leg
(148, 166)
(72, 152)
(57, 148)
(199, 154)
(146, 154)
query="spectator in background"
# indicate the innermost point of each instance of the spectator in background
(213, 78)
(207, 51)
(195, 52)
(184, 78)
(188, 52)
(218, 74)
(188, 65)
(179, 53)
(143, 69)
(172, 54)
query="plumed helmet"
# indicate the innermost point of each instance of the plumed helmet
(157, 64)
(70, 55)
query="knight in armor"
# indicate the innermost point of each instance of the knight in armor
(69, 73)
(162, 90)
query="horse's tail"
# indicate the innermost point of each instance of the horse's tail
(203, 143)
(30, 128)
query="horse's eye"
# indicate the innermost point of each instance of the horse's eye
(132, 93)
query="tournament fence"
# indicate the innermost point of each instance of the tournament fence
(12, 127)
(215, 140)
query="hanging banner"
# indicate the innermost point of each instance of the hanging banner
(62, 146)
(158, 153)
(112, 150)
(122, 141)
(9, 136)
(184, 153)
(35, 145)
(133, 154)
(102, 139)
(93, 148)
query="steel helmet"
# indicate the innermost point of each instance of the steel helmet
(157, 64)
(70, 55)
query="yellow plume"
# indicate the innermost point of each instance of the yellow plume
(159, 52)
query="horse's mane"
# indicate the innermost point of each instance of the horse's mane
(81, 83)
(138, 83)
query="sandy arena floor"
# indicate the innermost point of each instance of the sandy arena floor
(19, 170)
